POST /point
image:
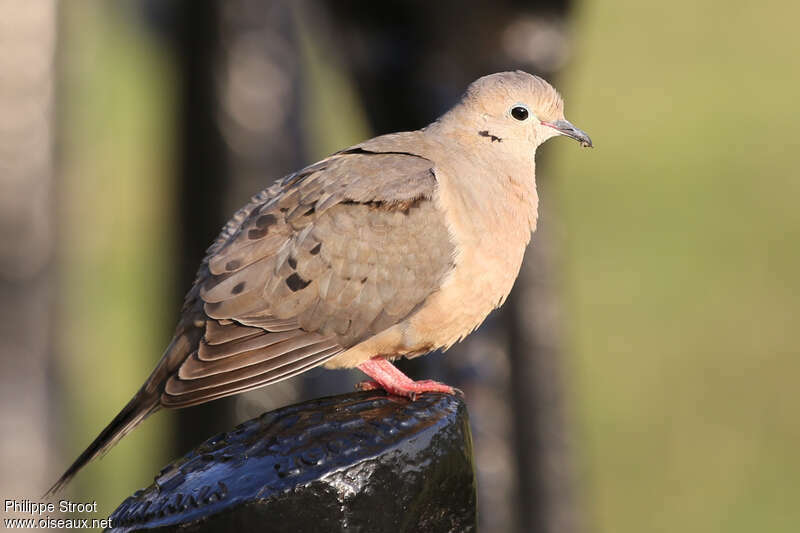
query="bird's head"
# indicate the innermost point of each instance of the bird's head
(514, 109)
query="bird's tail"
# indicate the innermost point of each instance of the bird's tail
(139, 408)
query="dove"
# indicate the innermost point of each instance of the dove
(395, 247)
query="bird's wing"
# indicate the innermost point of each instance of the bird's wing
(325, 258)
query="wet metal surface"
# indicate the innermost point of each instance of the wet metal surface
(356, 462)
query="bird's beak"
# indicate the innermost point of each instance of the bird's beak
(565, 127)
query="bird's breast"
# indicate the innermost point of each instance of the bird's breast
(491, 229)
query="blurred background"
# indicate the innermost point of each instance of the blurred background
(642, 377)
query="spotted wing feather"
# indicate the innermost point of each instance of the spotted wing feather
(315, 264)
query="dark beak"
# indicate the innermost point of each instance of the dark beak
(565, 127)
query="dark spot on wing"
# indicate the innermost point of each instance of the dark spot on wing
(265, 221)
(310, 211)
(233, 264)
(485, 133)
(404, 206)
(315, 250)
(256, 233)
(238, 288)
(292, 262)
(296, 283)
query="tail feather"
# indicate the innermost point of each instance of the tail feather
(139, 408)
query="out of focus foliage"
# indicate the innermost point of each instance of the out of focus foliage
(682, 231)
(115, 238)
(680, 251)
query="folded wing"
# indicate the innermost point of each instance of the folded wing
(322, 260)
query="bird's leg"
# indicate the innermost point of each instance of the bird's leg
(390, 379)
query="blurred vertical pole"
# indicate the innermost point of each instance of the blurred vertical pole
(238, 132)
(541, 434)
(27, 38)
(410, 61)
(538, 40)
(201, 172)
(258, 93)
(27, 72)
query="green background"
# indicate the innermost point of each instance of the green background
(679, 253)
(681, 264)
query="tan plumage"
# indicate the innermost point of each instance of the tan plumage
(395, 247)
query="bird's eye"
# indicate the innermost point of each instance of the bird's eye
(519, 112)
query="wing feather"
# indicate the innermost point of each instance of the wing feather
(199, 396)
(312, 266)
(195, 368)
(177, 386)
(215, 352)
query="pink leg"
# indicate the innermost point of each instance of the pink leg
(390, 379)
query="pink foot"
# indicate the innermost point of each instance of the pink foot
(390, 379)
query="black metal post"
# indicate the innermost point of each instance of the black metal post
(356, 462)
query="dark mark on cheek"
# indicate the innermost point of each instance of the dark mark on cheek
(485, 133)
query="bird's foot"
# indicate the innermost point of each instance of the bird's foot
(387, 377)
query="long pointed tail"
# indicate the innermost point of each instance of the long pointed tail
(139, 408)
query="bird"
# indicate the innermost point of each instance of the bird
(395, 247)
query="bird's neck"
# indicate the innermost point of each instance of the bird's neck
(491, 181)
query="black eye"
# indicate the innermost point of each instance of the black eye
(519, 112)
